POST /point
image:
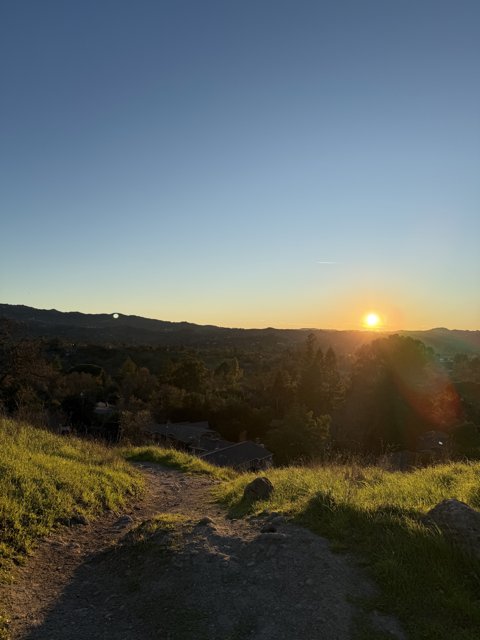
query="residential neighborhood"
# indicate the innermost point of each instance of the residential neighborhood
(198, 438)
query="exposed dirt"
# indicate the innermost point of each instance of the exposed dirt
(210, 578)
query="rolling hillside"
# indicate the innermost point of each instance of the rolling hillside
(135, 330)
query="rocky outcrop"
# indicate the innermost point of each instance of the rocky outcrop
(258, 489)
(459, 523)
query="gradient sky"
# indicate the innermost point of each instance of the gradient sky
(243, 163)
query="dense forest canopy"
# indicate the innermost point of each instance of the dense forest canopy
(303, 400)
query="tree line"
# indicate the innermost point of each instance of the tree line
(301, 401)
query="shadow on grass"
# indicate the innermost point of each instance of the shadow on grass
(430, 586)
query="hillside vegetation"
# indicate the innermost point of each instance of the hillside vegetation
(105, 328)
(176, 459)
(377, 514)
(47, 479)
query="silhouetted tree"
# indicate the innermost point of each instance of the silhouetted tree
(298, 435)
(393, 397)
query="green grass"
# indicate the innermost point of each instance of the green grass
(377, 514)
(177, 460)
(432, 588)
(159, 523)
(45, 479)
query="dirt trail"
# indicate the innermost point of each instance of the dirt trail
(209, 579)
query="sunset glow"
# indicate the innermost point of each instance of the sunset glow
(371, 320)
(247, 164)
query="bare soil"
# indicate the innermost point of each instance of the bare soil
(211, 578)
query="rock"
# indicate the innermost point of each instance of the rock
(258, 489)
(75, 519)
(274, 514)
(205, 522)
(124, 521)
(272, 537)
(268, 528)
(459, 523)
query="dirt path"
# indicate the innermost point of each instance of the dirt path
(208, 578)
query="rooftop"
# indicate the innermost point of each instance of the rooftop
(187, 432)
(237, 454)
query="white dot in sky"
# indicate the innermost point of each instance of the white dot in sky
(115, 315)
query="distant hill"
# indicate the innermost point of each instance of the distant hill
(448, 341)
(104, 328)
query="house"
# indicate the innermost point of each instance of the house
(244, 456)
(432, 446)
(199, 439)
(432, 441)
(195, 437)
(104, 409)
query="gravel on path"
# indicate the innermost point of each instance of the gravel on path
(207, 578)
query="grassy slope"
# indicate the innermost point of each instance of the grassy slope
(433, 590)
(177, 460)
(45, 479)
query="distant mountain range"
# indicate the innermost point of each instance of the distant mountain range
(104, 328)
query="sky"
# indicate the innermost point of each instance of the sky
(243, 163)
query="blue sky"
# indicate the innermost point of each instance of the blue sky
(201, 160)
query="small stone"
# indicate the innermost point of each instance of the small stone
(268, 528)
(77, 518)
(272, 537)
(124, 521)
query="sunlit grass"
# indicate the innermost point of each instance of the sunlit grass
(378, 514)
(432, 588)
(161, 523)
(45, 479)
(177, 460)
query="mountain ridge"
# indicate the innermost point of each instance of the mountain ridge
(133, 329)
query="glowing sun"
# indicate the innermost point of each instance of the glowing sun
(371, 320)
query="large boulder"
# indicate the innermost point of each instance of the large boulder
(459, 523)
(258, 489)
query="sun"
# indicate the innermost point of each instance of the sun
(371, 320)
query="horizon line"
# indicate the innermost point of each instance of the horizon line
(380, 330)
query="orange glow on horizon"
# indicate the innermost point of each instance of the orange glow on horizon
(372, 320)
